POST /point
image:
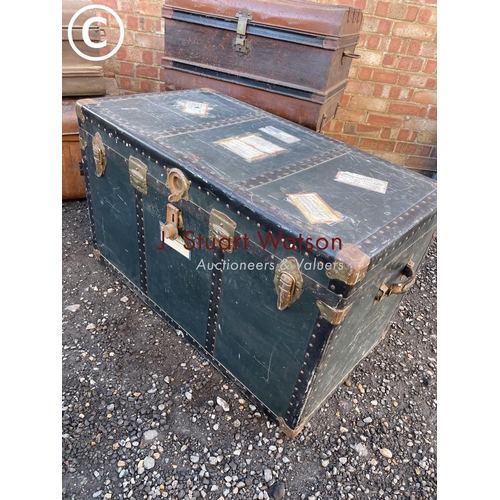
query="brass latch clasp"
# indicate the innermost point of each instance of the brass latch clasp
(240, 42)
(173, 222)
(288, 282)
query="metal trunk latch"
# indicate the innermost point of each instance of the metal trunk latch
(173, 222)
(221, 229)
(288, 282)
(99, 154)
(240, 42)
(138, 174)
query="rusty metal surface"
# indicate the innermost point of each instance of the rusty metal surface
(307, 17)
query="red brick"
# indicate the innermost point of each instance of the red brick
(132, 54)
(127, 68)
(368, 103)
(427, 138)
(333, 126)
(431, 83)
(407, 109)
(416, 80)
(113, 36)
(427, 16)
(335, 136)
(146, 86)
(148, 8)
(367, 144)
(377, 145)
(345, 100)
(112, 4)
(397, 158)
(360, 4)
(382, 9)
(430, 67)
(421, 124)
(429, 50)
(158, 57)
(380, 75)
(387, 91)
(389, 121)
(387, 146)
(350, 115)
(147, 72)
(395, 45)
(388, 60)
(411, 14)
(384, 26)
(147, 56)
(359, 88)
(132, 23)
(394, 92)
(125, 6)
(404, 135)
(413, 149)
(397, 11)
(425, 97)
(414, 48)
(149, 41)
(363, 129)
(349, 139)
(124, 83)
(372, 42)
(413, 31)
(365, 73)
(410, 64)
(386, 133)
(432, 112)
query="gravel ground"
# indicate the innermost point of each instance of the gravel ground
(144, 416)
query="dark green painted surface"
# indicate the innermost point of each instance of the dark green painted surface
(174, 282)
(364, 324)
(115, 216)
(260, 345)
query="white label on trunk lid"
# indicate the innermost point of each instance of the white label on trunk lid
(279, 134)
(362, 181)
(314, 208)
(251, 147)
(195, 108)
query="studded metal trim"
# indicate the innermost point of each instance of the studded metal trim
(317, 342)
(293, 168)
(141, 241)
(214, 301)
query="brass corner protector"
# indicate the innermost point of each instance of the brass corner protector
(350, 265)
(291, 433)
(332, 315)
(79, 112)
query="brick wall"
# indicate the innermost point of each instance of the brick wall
(389, 106)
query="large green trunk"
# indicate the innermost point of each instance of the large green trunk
(281, 253)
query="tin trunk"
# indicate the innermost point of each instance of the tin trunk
(291, 57)
(281, 253)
